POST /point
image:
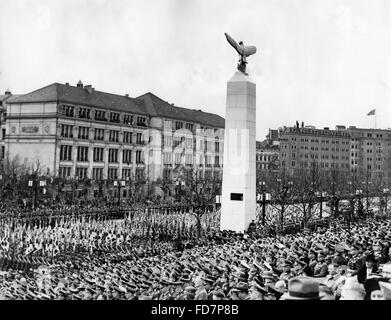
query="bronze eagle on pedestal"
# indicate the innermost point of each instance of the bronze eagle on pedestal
(242, 50)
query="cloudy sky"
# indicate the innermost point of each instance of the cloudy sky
(321, 62)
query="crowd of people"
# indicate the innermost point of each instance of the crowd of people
(138, 260)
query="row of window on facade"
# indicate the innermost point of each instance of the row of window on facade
(169, 141)
(321, 141)
(98, 173)
(115, 117)
(189, 159)
(66, 154)
(178, 125)
(260, 157)
(99, 134)
(322, 164)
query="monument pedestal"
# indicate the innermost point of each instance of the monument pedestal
(238, 198)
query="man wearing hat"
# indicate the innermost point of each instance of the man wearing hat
(320, 269)
(242, 290)
(369, 267)
(201, 293)
(302, 288)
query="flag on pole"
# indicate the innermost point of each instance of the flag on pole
(372, 112)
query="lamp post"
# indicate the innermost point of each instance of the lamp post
(262, 185)
(35, 183)
(119, 183)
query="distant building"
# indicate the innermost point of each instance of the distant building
(300, 146)
(350, 149)
(79, 132)
(371, 152)
(267, 156)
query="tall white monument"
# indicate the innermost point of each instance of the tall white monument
(238, 199)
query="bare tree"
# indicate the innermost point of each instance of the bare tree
(335, 184)
(200, 191)
(307, 182)
(279, 185)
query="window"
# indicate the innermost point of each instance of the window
(97, 173)
(84, 113)
(168, 124)
(64, 172)
(128, 119)
(100, 115)
(66, 131)
(167, 158)
(81, 173)
(82, 153)
(113, 173)
(113, 135)
(3, 134)
(2, 156)
(114, 117)
(139, 138)
(83, 133)
(126, 173)
(189, 126)
(139, 174)
(139, 157)
(66, 153)
(99, 134)
(208, 161)
(127, 156)
(167, 141)
(113, 155)
(67, 110)
(217, 145)
(141, 121)
(98, 154)
(127, 137)
(178, 125)
(178, 158)
(217, 161)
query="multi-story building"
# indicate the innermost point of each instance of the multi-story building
(299, 147)
(370, 152)
(79, 132)
(365, 151)
(267, 156)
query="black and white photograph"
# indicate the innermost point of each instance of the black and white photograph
(195, 150)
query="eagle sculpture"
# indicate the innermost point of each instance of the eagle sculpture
(243, 51)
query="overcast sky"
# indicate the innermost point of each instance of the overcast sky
(321, 62)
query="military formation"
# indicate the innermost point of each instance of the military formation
(134, 260)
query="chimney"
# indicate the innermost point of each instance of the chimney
(7, 92)
(326, 128)
(127, 95)
(80, 84)
(89, 88)
(67, 83)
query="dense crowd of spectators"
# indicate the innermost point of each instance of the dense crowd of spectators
(134, 259)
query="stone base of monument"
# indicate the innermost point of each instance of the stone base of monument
(238, 198)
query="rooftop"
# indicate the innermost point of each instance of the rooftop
(158, 107)
(147, 104)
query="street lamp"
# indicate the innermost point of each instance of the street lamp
(36, 184)
(262, 185)
(119, 183)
